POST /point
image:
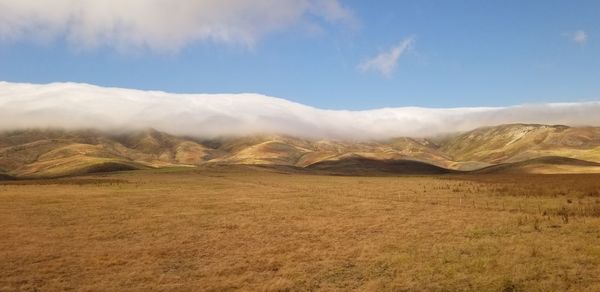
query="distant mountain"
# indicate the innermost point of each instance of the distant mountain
(543, 165)
(34, 153)
(284, 150)
(505, 148)
(357, 165)
(4, 176)
(518, 142)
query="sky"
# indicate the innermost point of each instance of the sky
(327, 54)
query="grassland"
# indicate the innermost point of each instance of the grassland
(254, 229)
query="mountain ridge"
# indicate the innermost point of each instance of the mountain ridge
(54, 152)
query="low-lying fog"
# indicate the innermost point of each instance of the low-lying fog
(76, 106)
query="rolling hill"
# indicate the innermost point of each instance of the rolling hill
(4, 176)
(519, 142)
(43, 153)
(357, 165)
(505, 148)
(543, 165)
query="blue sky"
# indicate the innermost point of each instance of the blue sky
(457, 53)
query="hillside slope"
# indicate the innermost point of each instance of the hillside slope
(51, 153)
(543, 165)
(35, 153)
(291, 151)
(518, 142)
(357, 165)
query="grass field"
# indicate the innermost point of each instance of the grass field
(245, 228)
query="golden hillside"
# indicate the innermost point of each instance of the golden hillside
(53, 153)
(518, 142)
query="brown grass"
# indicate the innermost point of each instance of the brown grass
(228, 229)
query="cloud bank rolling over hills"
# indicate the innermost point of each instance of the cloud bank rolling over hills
(80, 106)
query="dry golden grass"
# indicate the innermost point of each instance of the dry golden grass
(249, 229)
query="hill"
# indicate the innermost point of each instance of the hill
(544, 165)
(54, 153)
(4, 176)
(285, 150)
(519, 142)
(357, 165)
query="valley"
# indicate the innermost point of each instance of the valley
(506, 208)
(229, 227)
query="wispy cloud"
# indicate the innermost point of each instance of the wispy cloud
(386, 62)
(161, 25)
(580, 37)
(77, 106)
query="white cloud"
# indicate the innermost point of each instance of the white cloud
(386, 62)
(579, 37)
(163, 25)
(76, 106)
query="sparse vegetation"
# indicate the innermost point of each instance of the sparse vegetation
(223, 228)
(506, 149)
